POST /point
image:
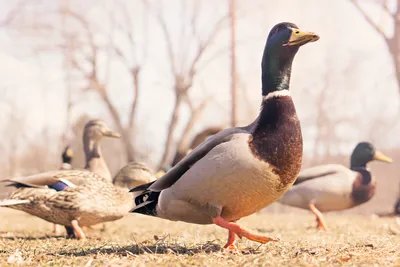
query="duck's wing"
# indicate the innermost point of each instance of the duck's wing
(199, 152)
(319, 172)
(328, 187)
(57, 180)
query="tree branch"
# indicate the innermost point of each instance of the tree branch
(369, 20)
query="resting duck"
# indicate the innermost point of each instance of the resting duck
(334, 187)
(239, 171)
(72, 198)
(134, 174)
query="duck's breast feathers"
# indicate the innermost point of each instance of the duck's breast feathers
(277, 137)
(364, 187)
(197, 154)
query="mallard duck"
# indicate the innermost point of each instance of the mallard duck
(66, 157)
(72, 198)
(335, 187)
(239, 171)
(134, 174)
(62, 196)
(94, 131)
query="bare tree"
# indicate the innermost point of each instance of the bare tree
(184, 68)
(392, 41)
(78, 41)
(234, 83)
(197, 140)
(133, 63)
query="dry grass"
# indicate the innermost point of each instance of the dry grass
(138, 240)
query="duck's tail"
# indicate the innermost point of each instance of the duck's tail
(12, 202)
(145, 200)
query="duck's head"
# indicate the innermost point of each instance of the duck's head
(97, 129)
(67, 155)
(366, 152)
(283, 42)
(134, 174)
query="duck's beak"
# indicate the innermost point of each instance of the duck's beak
(69, 152)
(379, 156)
(160, 173)
(300, 38)
(110, 133)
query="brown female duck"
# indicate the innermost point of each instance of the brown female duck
(73, 198)
(134, 174)
(94, 132)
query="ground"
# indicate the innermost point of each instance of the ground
(140, 240)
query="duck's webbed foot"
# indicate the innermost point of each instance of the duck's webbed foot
(230, 245)
(240, 232)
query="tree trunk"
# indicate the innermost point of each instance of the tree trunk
(169, 144)
(128, 146)
(126, 138)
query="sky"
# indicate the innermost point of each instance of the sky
(350, 53)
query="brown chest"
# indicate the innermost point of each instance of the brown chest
(278, 140)
(363, 191)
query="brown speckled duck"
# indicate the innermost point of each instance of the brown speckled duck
(93, 133)
(239, 171)
(134, 174)
(73, 198)
(335, 187)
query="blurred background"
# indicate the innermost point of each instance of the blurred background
(161, 71)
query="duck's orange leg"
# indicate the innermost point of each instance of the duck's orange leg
(231, 241)
(241, 232)
(78, 230)
(55, 228)
(320, 219)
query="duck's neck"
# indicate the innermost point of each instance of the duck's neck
(67, 160)
(357, 163)
(276, 69)
(366, 176)
(94, 158)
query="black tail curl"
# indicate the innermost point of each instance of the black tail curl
(146, 201)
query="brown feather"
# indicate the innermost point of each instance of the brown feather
(361, 191)
(277, 139)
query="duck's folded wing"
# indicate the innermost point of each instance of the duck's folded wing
(319, 172)
(56, 179)
(199, 152)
